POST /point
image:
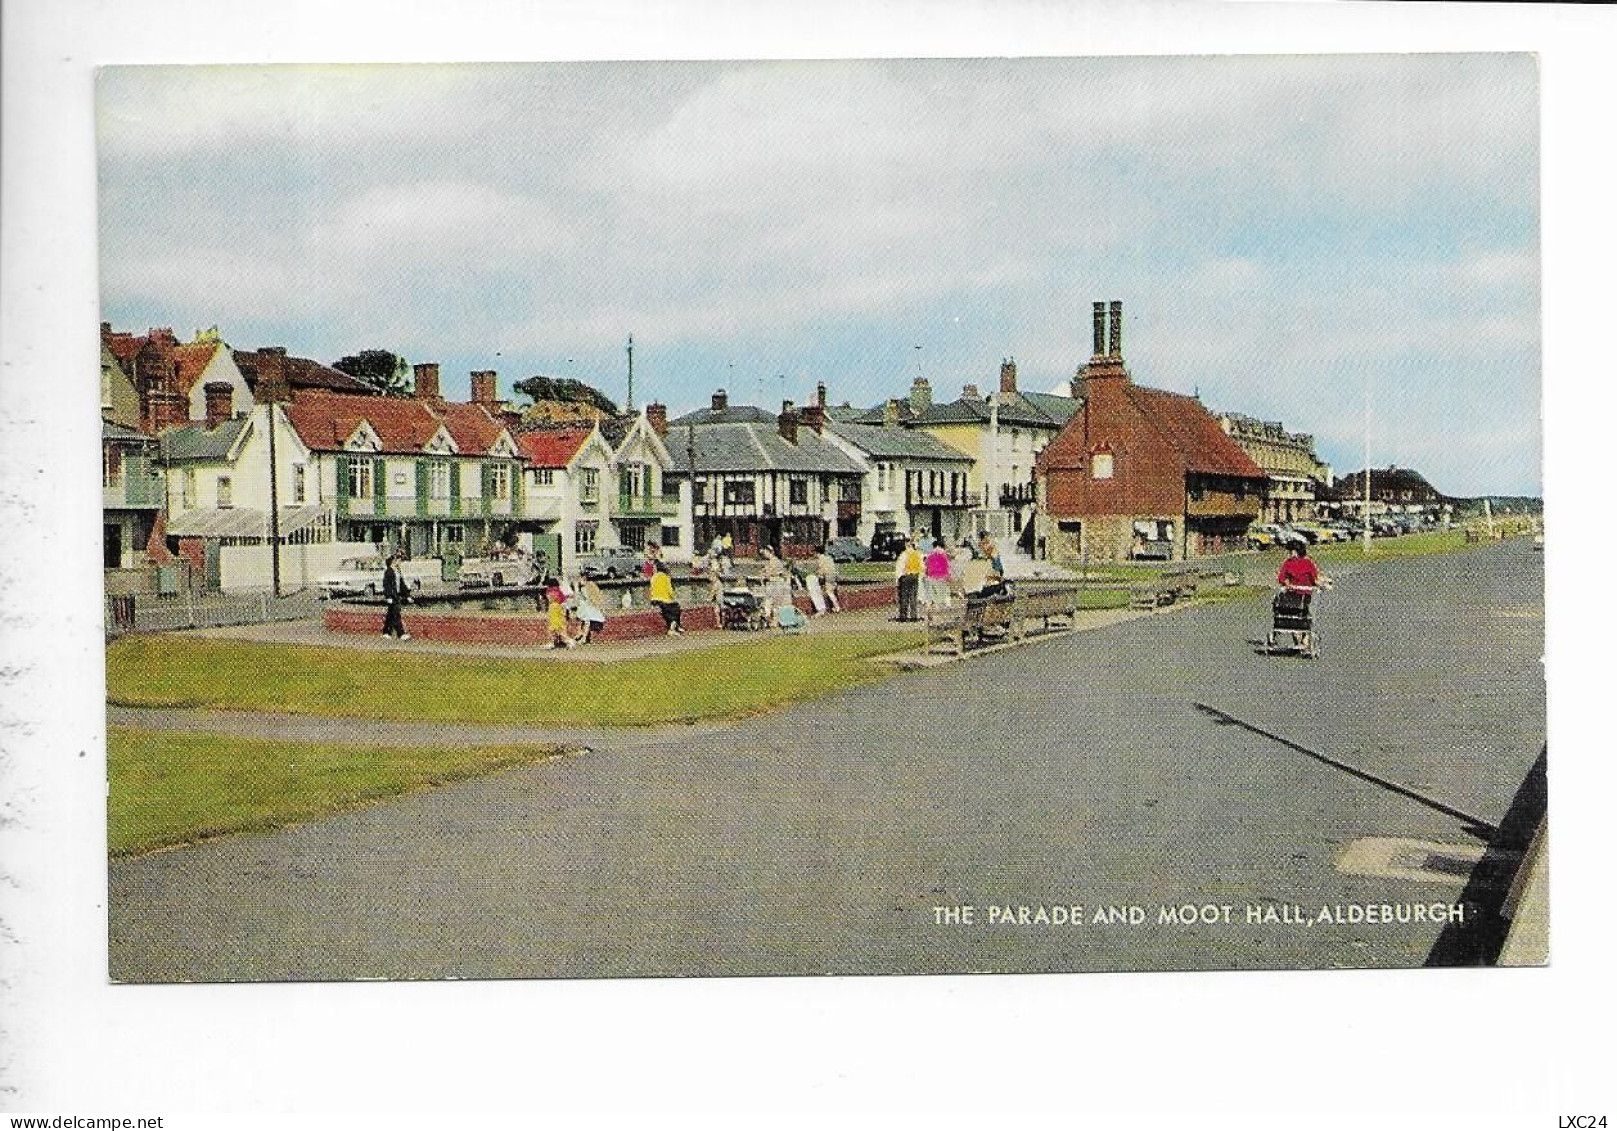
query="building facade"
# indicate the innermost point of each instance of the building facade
(1295, 472)
(1141, 472)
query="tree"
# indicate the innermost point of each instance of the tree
(567, 389)
(382, 370)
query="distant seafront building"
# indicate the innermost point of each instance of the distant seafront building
(1295, 472)
(1141, 470)
(1393, 489)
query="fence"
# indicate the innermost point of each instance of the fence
(140, 612)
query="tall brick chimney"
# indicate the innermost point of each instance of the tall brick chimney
(485, 388)
(721, 400)
(161, 404)
(1007, 376)
(1115, 346)
(657, 417)
(890, 413)
(216, 396)
(1100, 329)
(788, 422)
(970, 393)
(426, 381)
(920, 394)
(814, 415)
(272, 386)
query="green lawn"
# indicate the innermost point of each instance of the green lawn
(720, 682)
(167, 788)
(1390, 549)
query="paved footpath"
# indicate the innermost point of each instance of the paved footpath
(822, 838)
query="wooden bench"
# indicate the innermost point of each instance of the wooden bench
(1045, 605)
(973, 621)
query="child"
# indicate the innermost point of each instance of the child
(557, 613)
(587, 605)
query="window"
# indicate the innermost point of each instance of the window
(300, 486)
(589, 490)
(438, 472)
(224, 492)
(631, 480)
(360, 483)
(499, 481)
(112, 466)
(584, 538)
(454, 534)
(797, 492)
(670, 489)
(881, 477)
(1101, 467)
(698, 493)
(670, 536)
(851, 490)
(188, 489)
(741, 493)
(545, 477)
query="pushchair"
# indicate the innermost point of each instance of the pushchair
(1293, 632)
(741, 609)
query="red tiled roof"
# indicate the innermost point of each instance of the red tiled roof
(190, 360)
(552, 447)
(124, 347)
(324, 421)
(304, 373)
(1194, 431)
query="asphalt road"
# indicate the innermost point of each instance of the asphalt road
(822, 839)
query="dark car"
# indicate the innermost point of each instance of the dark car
(847, 550)
(886, 545)
(611, 563)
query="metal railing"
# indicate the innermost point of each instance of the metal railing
(142, 612)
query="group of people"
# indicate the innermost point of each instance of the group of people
(580, 602)
(930, 575)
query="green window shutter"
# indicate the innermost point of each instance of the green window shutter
(342, 485)
(516, 488)
(487, 475)
(422, 483)
(379, 485)
(454, 488)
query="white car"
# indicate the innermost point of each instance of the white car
(502, 567)
(362, 577)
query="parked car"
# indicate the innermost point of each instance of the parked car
(1156, 550)
(886, 545)
(611, 563)
(847, 550)
(1263, 535)
(502, 566)
(357, 577)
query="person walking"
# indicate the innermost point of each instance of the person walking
(777, 585)
(662, 596)
(825, 567)
(937, 574)
(396, 591)
(588, 606)
(908, 570)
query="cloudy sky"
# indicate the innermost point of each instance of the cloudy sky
(1290, 236)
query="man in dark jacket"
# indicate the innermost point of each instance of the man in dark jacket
(397, 591)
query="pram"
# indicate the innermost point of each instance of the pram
(741, 609)
(1293, 632)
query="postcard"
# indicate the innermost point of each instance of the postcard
(886, 516)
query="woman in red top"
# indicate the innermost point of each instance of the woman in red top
(1299, 571)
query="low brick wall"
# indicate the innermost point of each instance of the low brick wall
(431, 622)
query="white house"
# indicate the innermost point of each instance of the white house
(568, 488)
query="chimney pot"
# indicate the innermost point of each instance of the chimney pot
(890, 413)
(814, 417)
(1100, 329)
(426, 381)
(485, 388)
(721, 400)
(657, 417)
(1007, 376)
(216, 396)
(788, 422)
(1115, 346)
(970, 392)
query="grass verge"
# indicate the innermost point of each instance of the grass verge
(167, 788)
(728, 682)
